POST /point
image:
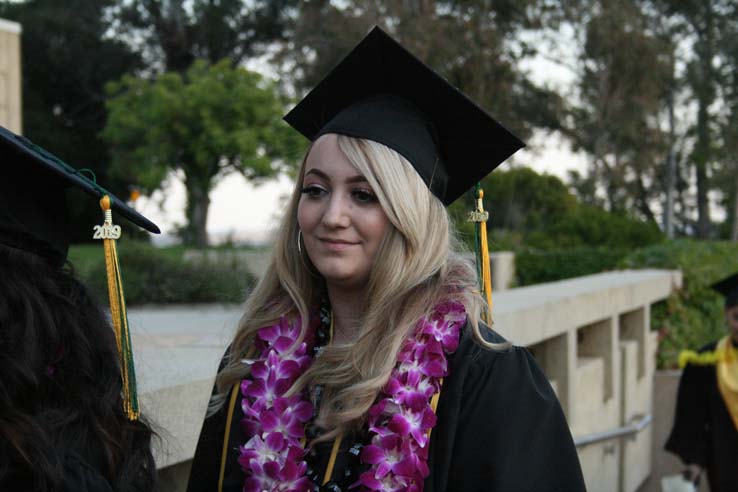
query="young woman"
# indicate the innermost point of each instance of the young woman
(361, 361)
(62, 422)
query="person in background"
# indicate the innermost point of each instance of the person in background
(62, 421)
(361, 362)
(705, 432)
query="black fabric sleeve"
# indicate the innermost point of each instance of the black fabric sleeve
(205, 469)
(512, 435)
(689, 436)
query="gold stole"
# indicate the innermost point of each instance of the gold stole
(727, 376)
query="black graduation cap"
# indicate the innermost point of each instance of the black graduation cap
(728, 287)
(33, 212)
(381, 92)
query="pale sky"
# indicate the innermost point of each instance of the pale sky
(249, 212)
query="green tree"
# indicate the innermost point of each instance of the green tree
(67, 59)
(727, 175)
(519, 200)
(623, 73)
(173, 33)
(532, 210)
(207, 122)
(705, 27)
(476, 45)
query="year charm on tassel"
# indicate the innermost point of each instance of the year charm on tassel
(108, 233)
(107, 230)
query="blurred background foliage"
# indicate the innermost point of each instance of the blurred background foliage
(163, 275)
(652, 100)
(693, 316)
(538, 211)
(652, 104)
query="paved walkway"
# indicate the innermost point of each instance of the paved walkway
(177, 345)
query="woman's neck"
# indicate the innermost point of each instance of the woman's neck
(347, 307)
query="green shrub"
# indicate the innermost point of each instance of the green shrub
(538, 211)
(586, 225)
(693, 316)
(537, 266)
(152, 275)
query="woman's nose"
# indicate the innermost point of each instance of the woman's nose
(336, 213)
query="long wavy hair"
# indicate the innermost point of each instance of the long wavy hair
(60, 383)
(418, 265)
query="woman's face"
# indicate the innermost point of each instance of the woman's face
(340, 218)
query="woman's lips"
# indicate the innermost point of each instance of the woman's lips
(336, 244)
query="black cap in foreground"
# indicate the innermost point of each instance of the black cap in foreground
(728, 287)
(33, 212)
(382, 92)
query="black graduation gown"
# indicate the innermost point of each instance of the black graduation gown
(81, 476)
(703, 432)
(78, 475)
(500, 428)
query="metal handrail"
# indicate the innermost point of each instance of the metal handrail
(628, 430)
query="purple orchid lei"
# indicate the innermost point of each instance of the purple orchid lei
(400, 422)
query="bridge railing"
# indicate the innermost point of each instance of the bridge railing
(592, 337)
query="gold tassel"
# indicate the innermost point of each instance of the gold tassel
(480, 217)
(109, 233)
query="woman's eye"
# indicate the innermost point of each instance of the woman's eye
(364, 196)
(312, 191)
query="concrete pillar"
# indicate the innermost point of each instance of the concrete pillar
(557, 358)
(637, 351)
(502, 265)
(635, 326)
(598, 402)
(10, 76)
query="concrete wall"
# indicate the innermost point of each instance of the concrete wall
(10, 76)
(590, 335)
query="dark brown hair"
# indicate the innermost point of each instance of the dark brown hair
(60, 384)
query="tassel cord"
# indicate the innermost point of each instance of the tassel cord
(118, 313)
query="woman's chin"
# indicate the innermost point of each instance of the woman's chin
(344, 279)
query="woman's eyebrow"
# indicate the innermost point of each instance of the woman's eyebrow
(318, 173)
(354, 179)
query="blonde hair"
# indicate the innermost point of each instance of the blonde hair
(417, 266)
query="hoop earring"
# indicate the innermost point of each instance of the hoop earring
(306, 264)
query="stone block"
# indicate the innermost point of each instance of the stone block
(502, 267)
(600, 466)
(636, 449)
(10, 76)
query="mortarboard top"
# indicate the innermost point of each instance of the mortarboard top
(33, 213)
(382, 92)
(728, 287)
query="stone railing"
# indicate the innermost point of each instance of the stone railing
(591, 336)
